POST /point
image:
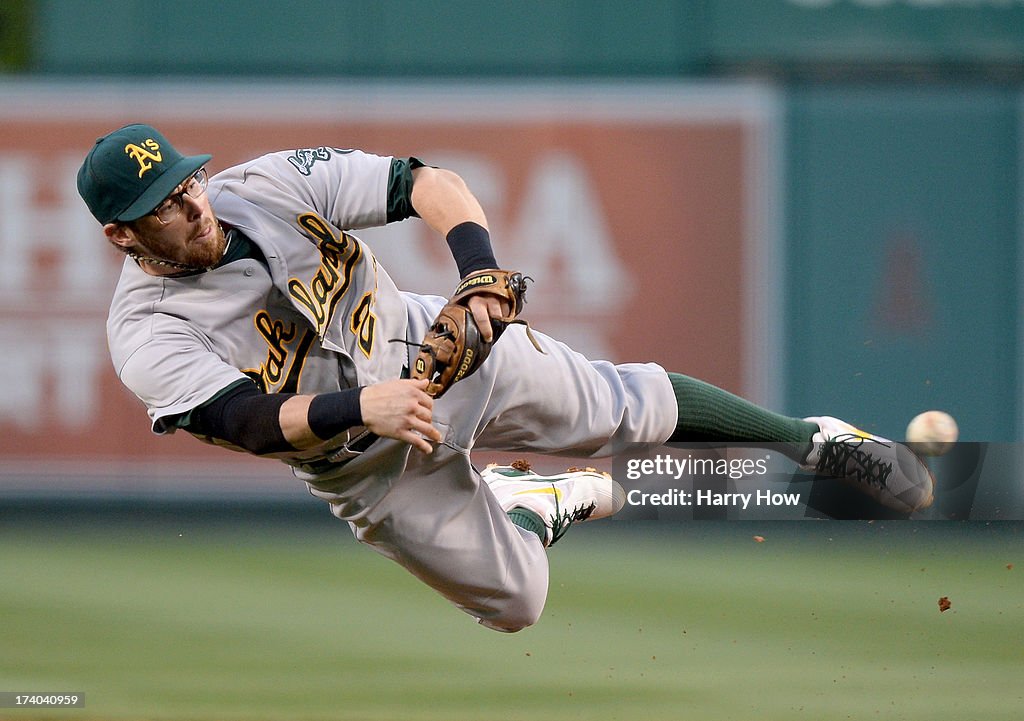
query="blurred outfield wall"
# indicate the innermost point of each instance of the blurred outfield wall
(630, 206)
(816, 204)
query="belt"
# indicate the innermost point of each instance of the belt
(352, 448)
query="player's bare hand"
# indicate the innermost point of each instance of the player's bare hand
(401, 409)
(484, 307)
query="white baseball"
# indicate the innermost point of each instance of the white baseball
(932, 433)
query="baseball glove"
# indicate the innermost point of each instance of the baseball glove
(453, 347)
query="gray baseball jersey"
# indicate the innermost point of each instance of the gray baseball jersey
(311, 311)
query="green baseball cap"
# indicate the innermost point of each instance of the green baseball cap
(130, 171)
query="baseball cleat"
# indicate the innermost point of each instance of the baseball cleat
(887, 471)
(577, 495)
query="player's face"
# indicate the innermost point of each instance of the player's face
(192, 237)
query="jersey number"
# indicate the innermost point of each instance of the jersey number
(363, 324)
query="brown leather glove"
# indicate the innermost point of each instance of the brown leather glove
(453, 347)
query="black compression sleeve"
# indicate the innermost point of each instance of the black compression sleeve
(245, 417)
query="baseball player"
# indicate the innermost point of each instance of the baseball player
(248, 315)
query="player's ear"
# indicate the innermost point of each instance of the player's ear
(120, 235)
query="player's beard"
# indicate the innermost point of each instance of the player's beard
(194, 253)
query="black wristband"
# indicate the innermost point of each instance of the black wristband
(331, 413)
(471, 247)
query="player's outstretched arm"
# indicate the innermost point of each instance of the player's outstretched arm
(274, 424)
(445, 203)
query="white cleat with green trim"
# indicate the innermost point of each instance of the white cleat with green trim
(577, 495)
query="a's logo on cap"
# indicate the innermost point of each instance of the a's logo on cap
(143, 156)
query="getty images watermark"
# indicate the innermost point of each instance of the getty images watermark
(668, 467)
(702, 481)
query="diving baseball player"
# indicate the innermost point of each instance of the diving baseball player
(249, 315)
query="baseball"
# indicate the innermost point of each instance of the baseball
(932, 433)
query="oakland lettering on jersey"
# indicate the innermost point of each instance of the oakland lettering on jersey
(279, 337)
(276, 336)
(338, 256)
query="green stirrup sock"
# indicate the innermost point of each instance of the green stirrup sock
(709, 414)
(529, 521)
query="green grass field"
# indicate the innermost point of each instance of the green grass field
(182, 618)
